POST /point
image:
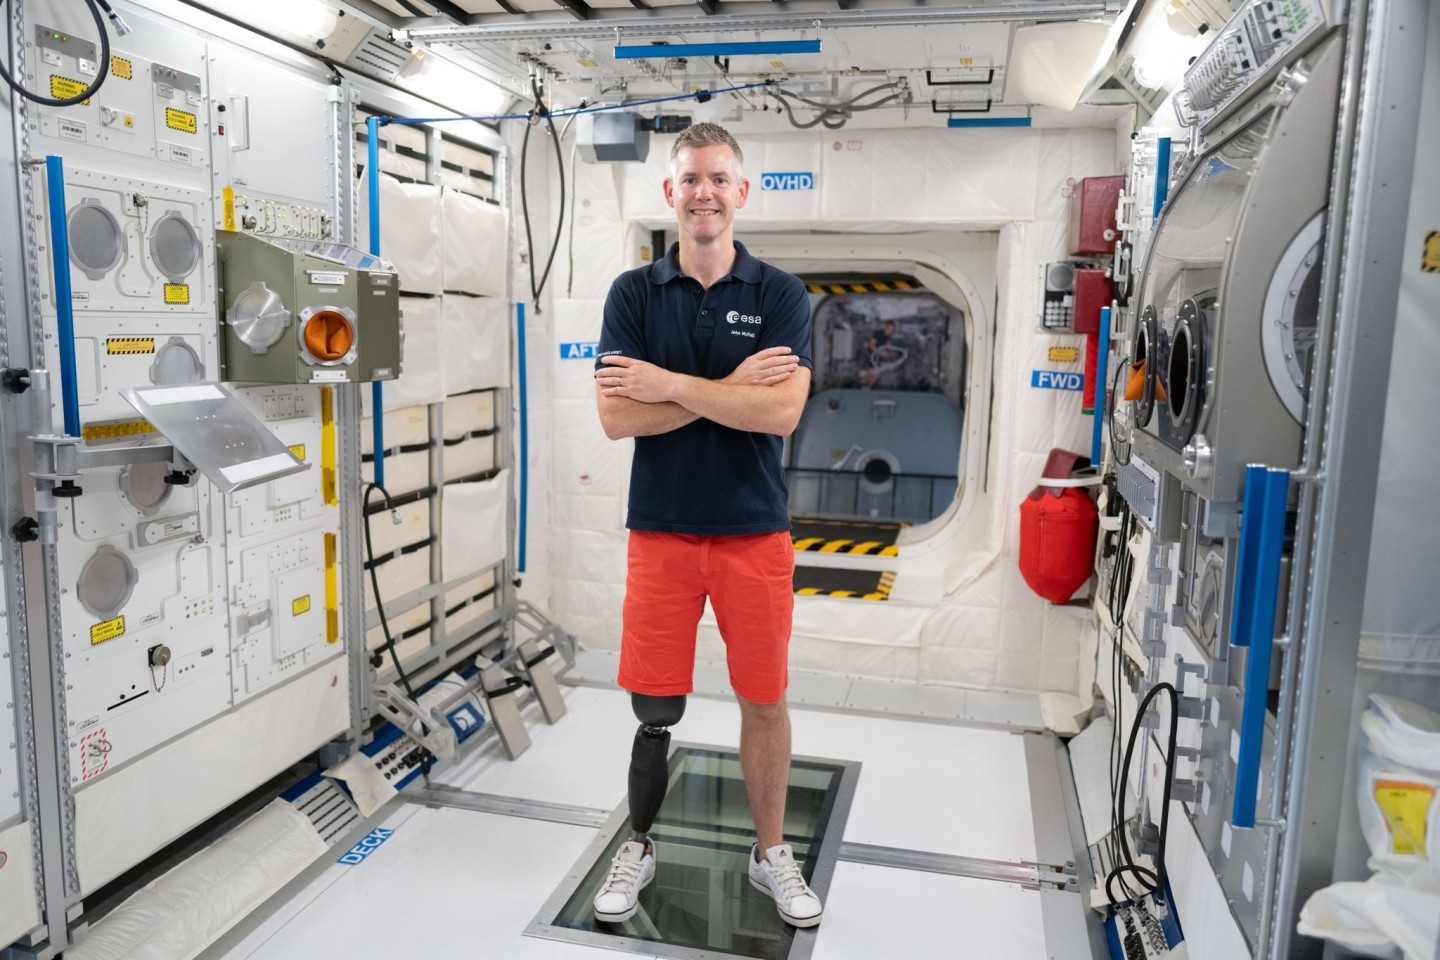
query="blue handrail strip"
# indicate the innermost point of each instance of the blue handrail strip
(524, 432)
(1162, 173)
(1262, 634)
(727, 48)
(64, 302)
(1250, 519)
(1102, 358)
(377, 390)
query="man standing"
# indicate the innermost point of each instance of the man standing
(705, 361)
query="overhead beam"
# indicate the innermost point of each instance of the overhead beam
(578, 9)
(709, 7)
(659, 24)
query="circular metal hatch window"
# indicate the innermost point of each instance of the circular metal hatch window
(258, 317)
(1188, 370)
(96, 241)
(106, 582)
(877, 469)
(327, 336)
(143, 485)
(175, 247)
(176, 363)
(1292, 311)
(1147, 343)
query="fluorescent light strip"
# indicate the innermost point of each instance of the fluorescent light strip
(651, 51)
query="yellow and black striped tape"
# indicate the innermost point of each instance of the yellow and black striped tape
(888, 285)
(881, 591)
(863, 548)
(1430, 261)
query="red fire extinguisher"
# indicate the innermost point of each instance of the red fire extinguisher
(1058, 523)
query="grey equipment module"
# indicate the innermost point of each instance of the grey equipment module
(1230, 293)
(306, 311)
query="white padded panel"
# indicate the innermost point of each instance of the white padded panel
(410, 225)
(476, 533)
(475, 234)
(477, 343)
(419, 380)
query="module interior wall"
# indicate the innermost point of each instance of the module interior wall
(990, 631)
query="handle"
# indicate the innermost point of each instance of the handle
(377, 391)
(1240, 602)
(1102, 357)
(64, 303)
(1162, 173)
(1270, 538)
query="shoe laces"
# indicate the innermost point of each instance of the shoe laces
(623, 874)
(789, 882)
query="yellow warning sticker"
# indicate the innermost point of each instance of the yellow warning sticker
(332, 590)
(299, 451)
(300, 605)
(1064, 354)
(122, 68)
(181, 120)
(63, 88)
(122, 345)
(107, 630)
(177, 293)
(1405, 806)
(227, 200)
(116, 430)
(1430, 262)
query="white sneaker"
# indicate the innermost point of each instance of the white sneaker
(779, 876)
(630, 872)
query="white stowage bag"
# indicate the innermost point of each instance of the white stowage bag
(1396, 913)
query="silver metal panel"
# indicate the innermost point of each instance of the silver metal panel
(1386, 54)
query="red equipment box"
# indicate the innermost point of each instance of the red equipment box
(1092, 216)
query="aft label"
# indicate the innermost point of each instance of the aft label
(579, 351)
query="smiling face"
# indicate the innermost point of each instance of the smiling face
(705, 189)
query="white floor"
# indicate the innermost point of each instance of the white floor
(452, 883)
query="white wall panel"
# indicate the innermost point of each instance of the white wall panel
(410, 231)
(476, 525)
(18, 910)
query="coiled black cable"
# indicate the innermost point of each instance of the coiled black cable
(83, 95)
(1149, 880)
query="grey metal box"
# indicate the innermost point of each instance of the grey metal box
(306, 311)
(611, 137)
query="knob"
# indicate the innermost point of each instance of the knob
(159, 655)
(1198, 457)
(26, 530)
(15, 379)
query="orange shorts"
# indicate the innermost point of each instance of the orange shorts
(749, 580)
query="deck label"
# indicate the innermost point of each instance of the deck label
(365, 847)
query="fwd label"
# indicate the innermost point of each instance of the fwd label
(365, 847)
(1057, 380)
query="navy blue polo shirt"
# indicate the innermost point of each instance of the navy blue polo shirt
(705, 478)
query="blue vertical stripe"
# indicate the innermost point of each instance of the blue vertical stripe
(377, 391)
(1162, 173)
(64, 305)
(1102, 357)
(524, 432)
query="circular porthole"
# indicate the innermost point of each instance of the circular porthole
(1187, 370)
(176, 363)
(1147, 355)
(106, 582)
(175, 247)
(258, 317)
(1292, 311)
(143, 485)
(327, 336)
(877, 469)
(96, 241)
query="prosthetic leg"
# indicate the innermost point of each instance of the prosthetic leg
(648, 769)
(634, 865)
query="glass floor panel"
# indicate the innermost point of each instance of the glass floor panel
(700, 903)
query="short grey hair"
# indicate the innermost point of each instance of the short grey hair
(705, 135)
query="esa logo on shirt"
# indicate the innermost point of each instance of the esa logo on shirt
(735, 316)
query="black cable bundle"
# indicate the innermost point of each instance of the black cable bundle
(88, 92)
(541, 110)
(1150, 880)
(834, 115)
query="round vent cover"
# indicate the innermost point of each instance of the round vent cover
(175, 363)
(259, 317)
(144, 486)
(96, 241)
(175, 247)
(106, 582)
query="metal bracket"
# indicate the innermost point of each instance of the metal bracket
(413, 721)
(498, 688)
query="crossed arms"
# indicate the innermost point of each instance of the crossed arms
(765, 394)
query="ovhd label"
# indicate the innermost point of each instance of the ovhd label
(787, 181)
(579, 351)
(1057, 380)
(365, 847)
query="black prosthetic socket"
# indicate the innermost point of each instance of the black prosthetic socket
(648, 768)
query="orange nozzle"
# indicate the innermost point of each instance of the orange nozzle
(329, 336)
